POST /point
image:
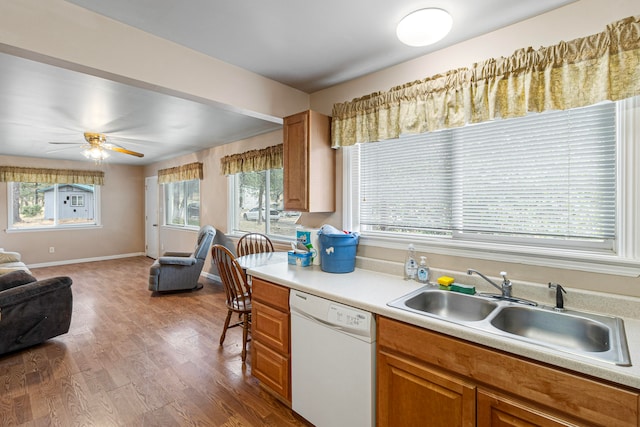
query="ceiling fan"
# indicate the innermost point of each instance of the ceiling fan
(96, 147)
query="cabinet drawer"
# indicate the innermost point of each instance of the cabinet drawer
(495, 410)
(271, 368)
(270, 327)
(269, 293)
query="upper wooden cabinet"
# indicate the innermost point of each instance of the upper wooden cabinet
(309, 163)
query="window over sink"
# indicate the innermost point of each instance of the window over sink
(556, 185)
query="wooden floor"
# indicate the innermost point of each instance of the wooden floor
(136, 358)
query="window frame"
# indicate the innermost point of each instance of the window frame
(97, 221)
(622, 259)
(165, 210)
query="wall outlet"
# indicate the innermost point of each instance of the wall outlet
(51, 249)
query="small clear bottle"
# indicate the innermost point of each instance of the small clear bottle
(423, 270)
(410, 264)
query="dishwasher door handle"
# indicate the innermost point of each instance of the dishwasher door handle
(314, 319)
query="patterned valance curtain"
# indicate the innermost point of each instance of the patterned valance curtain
(181, 173)
(253, 161)
(585, 71)
(50, 176)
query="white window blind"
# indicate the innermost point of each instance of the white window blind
(550, 175)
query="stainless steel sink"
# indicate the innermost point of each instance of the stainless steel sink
(449, 305)
(578, 333)
(586, 334)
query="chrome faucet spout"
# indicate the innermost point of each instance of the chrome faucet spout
(505, 289)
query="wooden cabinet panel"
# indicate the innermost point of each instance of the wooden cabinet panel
(269, 293)
(495, 410)
(296, 158)
(270, 327)
(271, 368)
(411, 394)
(578, 397)
(270, 335)
(309, 163)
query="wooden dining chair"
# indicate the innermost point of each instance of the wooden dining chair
(252, 243)
(237, 290)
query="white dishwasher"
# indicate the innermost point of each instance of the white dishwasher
(332, 362)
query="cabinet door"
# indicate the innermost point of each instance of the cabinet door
(495, 410)
(413, 394)
(270, 327)
(271, 368)
(296, 158)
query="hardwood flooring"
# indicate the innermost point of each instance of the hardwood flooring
(136, 358)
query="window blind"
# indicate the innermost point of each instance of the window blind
(549, 175)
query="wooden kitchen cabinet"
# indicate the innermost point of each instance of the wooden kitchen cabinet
(412, 394)
(505, 389)
(270, 333)
(309, 163)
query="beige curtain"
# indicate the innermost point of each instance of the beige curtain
(603, 66)
(50, 176)
(253, 161)
(181, 173)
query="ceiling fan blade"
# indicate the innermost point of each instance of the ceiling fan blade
(66, 143)
(123, 150)
(58, 150)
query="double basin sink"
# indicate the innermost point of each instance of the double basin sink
(579, 333)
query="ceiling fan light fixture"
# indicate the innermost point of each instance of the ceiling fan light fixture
(95, 153)
(424, 27)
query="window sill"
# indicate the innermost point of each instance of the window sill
(58, 228)
(571, 259)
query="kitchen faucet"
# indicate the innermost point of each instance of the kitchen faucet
(505, 289)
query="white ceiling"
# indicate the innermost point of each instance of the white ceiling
(303, 44)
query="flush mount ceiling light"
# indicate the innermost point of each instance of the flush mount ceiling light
(424, 27)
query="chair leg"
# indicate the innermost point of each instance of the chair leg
(226, 326)
(245, 333)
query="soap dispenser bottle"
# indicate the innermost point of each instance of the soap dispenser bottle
(410, 264)
(423, 270)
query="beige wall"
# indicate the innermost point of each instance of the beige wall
(122, 212)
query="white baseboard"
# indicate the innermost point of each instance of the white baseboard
(81, 260)
(211, 276)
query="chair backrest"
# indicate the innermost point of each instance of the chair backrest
(233, 277)
(253, 243)
(205, 237)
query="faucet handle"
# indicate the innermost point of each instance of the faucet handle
(504, 277)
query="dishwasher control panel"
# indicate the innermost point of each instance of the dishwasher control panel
(351, 318)
(344, 318)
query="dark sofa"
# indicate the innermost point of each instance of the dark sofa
(31, 310)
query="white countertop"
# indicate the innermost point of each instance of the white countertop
(370, 290)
